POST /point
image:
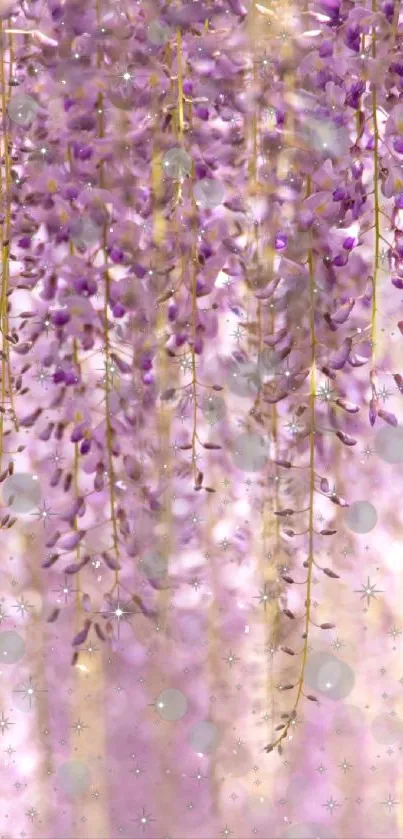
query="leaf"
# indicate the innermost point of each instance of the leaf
(388, 417)
(167, 394)
(272, 340)
(86, 602)
(285, 464)
(73, 568)
(373, 410)
(346, 439)
(339, 358)
(53, 615)
(269, 748)
(82, 635)
(399, 381)
(284, 513)
(211, 446)
(264, 10)
(166, 296)
(50, 561)
(286, 687)
(342, 314)
(288, 650)
(312, 698)
(357, 360)
(328, 532)
(99, 632)
(350, 407)
(327, 625)
(330, 573)
(337, 499)
(289, 614)
(110, 561)
(287, 579)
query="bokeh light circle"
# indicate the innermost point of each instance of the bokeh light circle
(389, 444)
(208, 193)
(21, 493)
(171, 705)
(12, 647)
(213, 408)
(329, 676)
(22, 109)
(387, 729)
(250, 452)
(361, 517)
(154, 565)
(204, 737)
(177, 164)
(74, 778)
(243, 378)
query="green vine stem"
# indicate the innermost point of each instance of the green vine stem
(376, 199)
(311, 530)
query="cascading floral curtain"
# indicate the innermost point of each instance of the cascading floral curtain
(200, 419)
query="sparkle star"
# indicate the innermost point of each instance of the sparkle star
(390, 803)
(29, 692)
(368, 591)
(325, 392)
(345, 765)
(331, 805)
(119, 611)
(199, 776)
(79, 726)
(231, 659)
(65, 590)
(5, 723)
(44, 513)
(394, 632)
(32, 814)
(337, 644)
(383, 393)
(22, 606)
(264, 596)
(144, 820)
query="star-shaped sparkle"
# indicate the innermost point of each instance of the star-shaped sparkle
(265, 596)
(368, 590)
(65, 590)
(345, 765)
(394, 632)
(29, 691)
(5, 723)
(331, 804)
(119, 611)
(390, 803)
(144, 820)
(79, 726)
(231, 659)
(44, 513)
(22, 606)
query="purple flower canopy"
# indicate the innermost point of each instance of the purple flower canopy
(201, 221)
